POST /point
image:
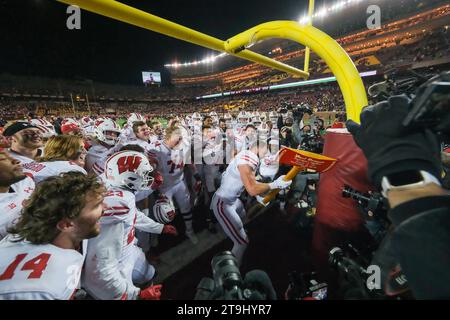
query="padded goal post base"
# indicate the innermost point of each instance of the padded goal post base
(337, 218)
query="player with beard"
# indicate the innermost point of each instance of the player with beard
(43, 256)
(115, 265)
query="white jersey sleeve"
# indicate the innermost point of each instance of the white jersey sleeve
(95, 159)
(11, 204)
(269, 166)
(247, 158)
(170, 164)
(127, 136)
(147, 224)
(103, 277)
(231, 185)
(43, 170)
(38, 272)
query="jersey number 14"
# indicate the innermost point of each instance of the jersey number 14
(37, 265)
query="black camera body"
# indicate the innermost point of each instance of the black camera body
(298, 110)
(431, 106)
(373, 208)
(430, 95)
(228, 284)
(312, 142)
(373, 204)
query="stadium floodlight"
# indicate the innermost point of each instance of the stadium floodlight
(340, 5)
(304, 20)
(321, 13)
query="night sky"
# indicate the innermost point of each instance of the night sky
(35, 40)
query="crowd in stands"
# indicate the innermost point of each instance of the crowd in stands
(386, 42)
(20, 96)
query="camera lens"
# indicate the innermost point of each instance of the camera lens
(225, 270)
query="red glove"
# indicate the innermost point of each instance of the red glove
(151, 293)
(197, 186)
(169, 229)
(157, 180)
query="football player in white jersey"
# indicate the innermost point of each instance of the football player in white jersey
(249, 132)
(26, 141)
(106, 132)
(127, 132)
(142, 133)
(240, 175)
(43, 256)
(169, 158)
(15, 187)
(156, 135)
(269, 164)
(62, 154)
(208, 156)
(114, 263)
(238, 130)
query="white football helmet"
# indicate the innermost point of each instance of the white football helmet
(273, 116)
(228, 118)
(197, 119)
(46, 128)
(256, 121)
(46, 132)
(243, 117)
(86, 122)
(130, 170)
(102, 129)
(164, 210)
(196, 116)
(134, 117)
(70, 124)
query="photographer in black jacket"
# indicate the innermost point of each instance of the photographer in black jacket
(406, 166)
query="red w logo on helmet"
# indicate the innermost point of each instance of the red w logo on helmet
(128, 163)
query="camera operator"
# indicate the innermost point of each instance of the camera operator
(300, 131)
(319, 127)
(286, 138)
(406, 166)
